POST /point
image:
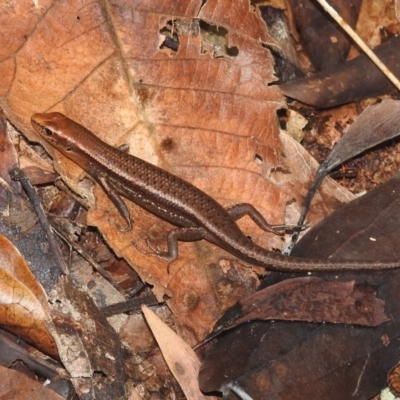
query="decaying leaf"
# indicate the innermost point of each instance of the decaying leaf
(287, 66)
(17, 219)
(23, 302)
(307, 299)
(89, 347)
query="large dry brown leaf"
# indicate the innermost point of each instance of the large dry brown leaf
(206, 112)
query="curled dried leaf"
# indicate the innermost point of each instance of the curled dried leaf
(23, 302)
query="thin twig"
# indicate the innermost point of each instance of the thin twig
(129, 305)
(18, 175)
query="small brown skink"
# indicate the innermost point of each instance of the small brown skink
(197, 215)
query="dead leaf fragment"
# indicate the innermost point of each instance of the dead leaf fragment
(8, 154)
(376, 124)
(181, 359)
(23, 302)
(17, 386)
(367, 227)
(394, 380)
(89, 347)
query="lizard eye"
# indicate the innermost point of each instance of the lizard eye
(47, 131)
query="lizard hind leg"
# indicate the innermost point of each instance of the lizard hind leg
(178, 234)
(238, 211)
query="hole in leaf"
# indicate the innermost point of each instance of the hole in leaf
(174, 29)
(171, 40)
(283, 117)
(258, 159)
(214, 41)
(168, 144)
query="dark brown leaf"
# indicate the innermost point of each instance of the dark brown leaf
(307, 299)
(12, 350)
(367, 226)
(345, 84)
(19, 224)
(324, 40)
